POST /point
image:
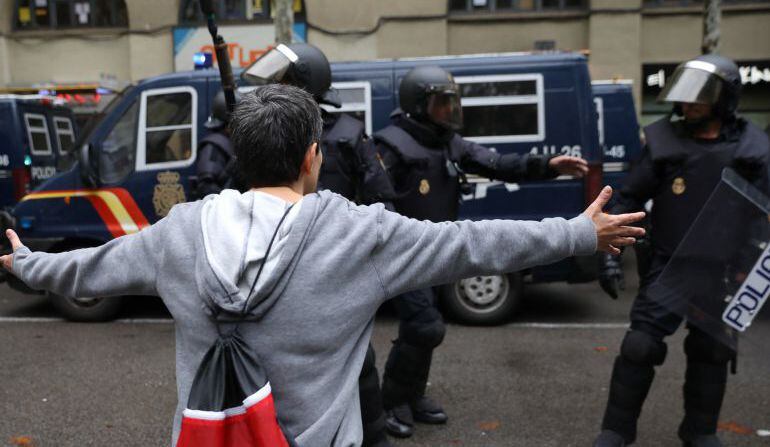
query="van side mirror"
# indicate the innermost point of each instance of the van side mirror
(89, 165)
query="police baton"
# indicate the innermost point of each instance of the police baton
(223, 56)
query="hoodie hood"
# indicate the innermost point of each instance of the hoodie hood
(237, 230)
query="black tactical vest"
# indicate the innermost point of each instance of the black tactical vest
(340, 170)
(688, 170)
(227, 177)
(431, 189)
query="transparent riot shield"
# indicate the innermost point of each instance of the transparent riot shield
(718, 279)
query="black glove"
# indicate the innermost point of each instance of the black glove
(611, 275)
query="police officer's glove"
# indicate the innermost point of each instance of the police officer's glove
(611, 276)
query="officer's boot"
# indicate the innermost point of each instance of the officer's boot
(704, 389)
(372, 413)
(405, 374)
(425, 409)
(631, 380)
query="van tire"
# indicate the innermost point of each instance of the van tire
(483, 300)
(87, 309)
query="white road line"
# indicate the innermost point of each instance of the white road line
(534, 325)
(522, 325)
(62, 320)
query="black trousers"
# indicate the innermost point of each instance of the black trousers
(643, 349)
(372, 414)
(421, 330)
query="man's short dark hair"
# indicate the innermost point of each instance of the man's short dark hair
(271, 130)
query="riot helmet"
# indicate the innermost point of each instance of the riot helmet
(430, 93)
(299, 64)
(219, 114)
(708, 79)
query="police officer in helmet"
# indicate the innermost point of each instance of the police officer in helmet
(216, 160)
(428, 161)
(350, 168)
(680, 166)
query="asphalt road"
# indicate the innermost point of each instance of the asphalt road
(540, 380)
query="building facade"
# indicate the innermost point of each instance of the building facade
(56, 44)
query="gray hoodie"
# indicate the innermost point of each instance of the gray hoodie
(332, 265)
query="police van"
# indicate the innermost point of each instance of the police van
(36, 137)
(138, 161)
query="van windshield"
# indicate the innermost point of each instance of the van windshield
(95, 119)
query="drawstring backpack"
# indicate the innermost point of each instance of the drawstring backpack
(230, 402)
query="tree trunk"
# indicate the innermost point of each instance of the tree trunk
(284, 21)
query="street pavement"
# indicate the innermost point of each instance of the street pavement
(540, 380)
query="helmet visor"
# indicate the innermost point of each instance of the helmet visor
(271, 67)
(692, 85)
(445, 110)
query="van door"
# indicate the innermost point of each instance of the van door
(166, 148)
(618, 129)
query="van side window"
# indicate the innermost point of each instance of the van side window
(64, 133)
(119, 148)
(356, 99)
(37, 132)
(167, 128)
(503, 108)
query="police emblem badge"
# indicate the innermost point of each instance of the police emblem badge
(167, 193)
(424, 187)
(678, 186)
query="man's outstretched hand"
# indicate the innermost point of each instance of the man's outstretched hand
(7, 260)
(612, 231)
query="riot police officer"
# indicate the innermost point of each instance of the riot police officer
(350, 168)
(428, 162)
(680, 166)
(215, 168)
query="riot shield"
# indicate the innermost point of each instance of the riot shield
(719, 276)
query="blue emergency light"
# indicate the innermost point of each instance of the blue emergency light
(203, 61)
(26, 222)
(27, 160)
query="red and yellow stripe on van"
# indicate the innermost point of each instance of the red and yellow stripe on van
(115, 206)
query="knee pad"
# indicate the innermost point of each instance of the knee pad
(643, 349)
(703, 348)
(426, 332)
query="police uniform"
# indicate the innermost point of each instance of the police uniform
(350, 166)
(679, 173)
(215, 167)
(427, 166)
(351, 169)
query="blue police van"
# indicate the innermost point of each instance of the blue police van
(36, 137)
(139, 159)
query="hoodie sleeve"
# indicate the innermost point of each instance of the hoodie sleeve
(127, 265)
(414, 254)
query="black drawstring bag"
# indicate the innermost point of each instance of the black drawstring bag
(231, 402)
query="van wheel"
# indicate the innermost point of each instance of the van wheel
(483, 300)
(87, 309)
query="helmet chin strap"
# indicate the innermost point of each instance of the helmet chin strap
(441, 131)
